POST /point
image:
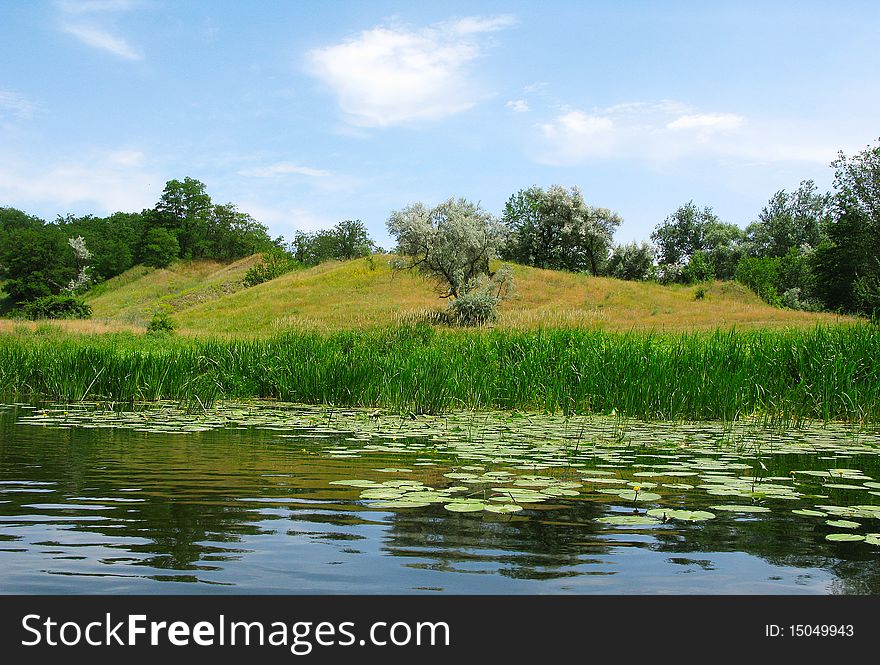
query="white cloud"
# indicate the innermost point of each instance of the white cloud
(707, 121)
(281, 169)
(95, 6)
(82, 19)
(392, 75)
(104, 182)
(518, 105)
(92, 35)
(16, 104)
(666, 131)
(287, 220)
(471, 25)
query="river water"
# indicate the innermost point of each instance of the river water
(270, 499)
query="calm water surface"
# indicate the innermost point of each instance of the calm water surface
(248, 507)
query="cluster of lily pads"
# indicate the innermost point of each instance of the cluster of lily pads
(649, 473)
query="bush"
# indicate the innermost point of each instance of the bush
(475, 308)
(794, 298)
(761, 276)
(701, 268)
(160, 324)
(57, 307)
(275, 263)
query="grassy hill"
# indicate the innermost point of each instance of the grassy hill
(206, 296)
(135, 295)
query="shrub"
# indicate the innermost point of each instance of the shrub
(57, 307)
(794, 298)
(700, 268)
(475, 308)
(275, 263)
(761, 276)
(160, 324)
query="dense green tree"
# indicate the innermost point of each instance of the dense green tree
(846, 264)
(349, 239)
(691, 229)
(633, 261)
(796, 219)
(35, 261)
(556, 229)
(160, 247)
(352, 240)
(233, 234)
(185, 209)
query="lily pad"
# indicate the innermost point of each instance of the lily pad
(502, 508)
(631, 495)
(683, 515)
(627, 520)
(465, 506)
(734, 508)
(810, 513)
(843, 524)
(844, 537)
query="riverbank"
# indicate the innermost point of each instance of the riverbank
(786, 376)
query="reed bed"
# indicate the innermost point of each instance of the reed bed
(825, 373)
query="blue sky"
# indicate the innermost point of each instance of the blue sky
(306, 113)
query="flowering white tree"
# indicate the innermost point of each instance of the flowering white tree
(452, 242)
(82, 254)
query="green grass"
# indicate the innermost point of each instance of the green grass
(208, 298)
(786, 376)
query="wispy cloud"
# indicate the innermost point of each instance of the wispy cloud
(15, 104)
(87, 21)
(102, 182)
(95, 6)
(91, 35)
(283, 169)
(707, 121)
(666, 131)
(287, 220)
(518, 105)
(392, 75)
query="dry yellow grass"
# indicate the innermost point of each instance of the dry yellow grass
(366, 293)
(137, 294)
(206, 297)
(76, 326)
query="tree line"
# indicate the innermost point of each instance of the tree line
(806, 249)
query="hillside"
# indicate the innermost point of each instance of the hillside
(208, 297)
(135, 295)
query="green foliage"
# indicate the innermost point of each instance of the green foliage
(276, 262)
(761, 275)
(451, 243)
(161, 324)
(478, 305)
(160, 247)
(846, 265)
(349, 239)
(689, 230)
(35, 261)
(700, 268)
(556, 229)
(790, 221)
(57, 307)
(632, 261)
